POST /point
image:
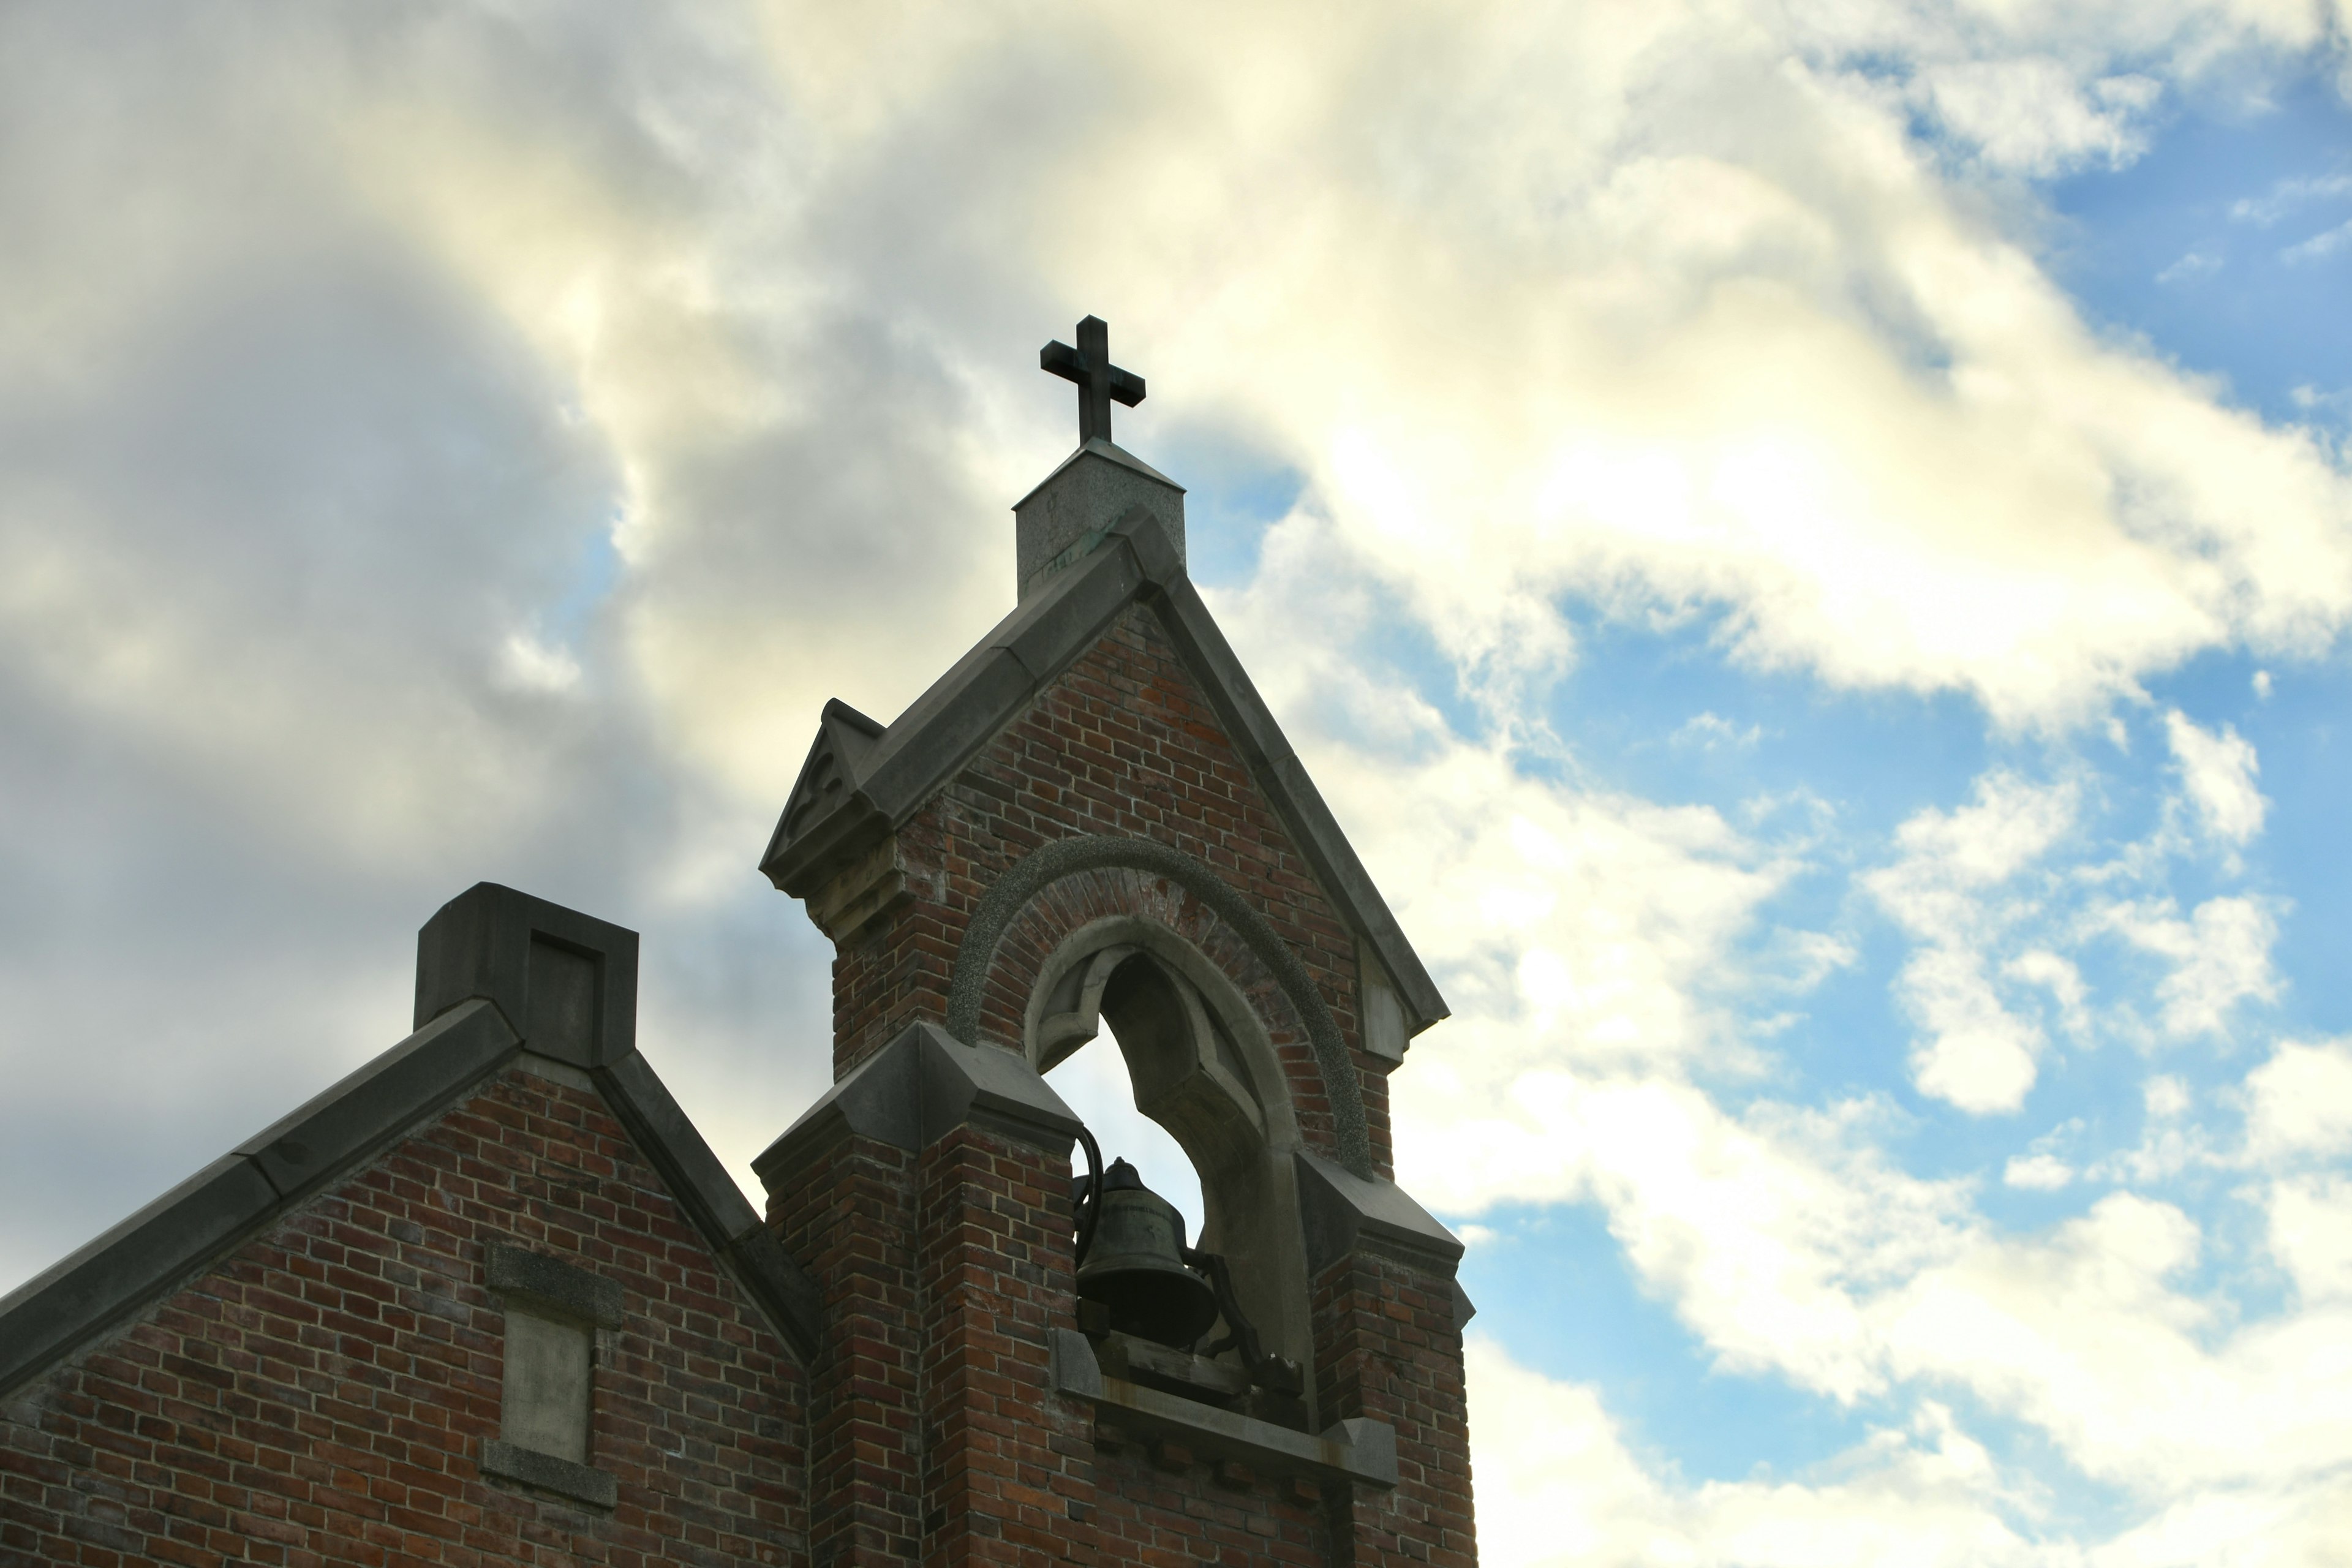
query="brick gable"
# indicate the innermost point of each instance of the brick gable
(320, 1394)
(1123, 742)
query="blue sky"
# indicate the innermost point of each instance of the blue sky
(1810, 546)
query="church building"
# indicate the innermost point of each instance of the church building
(492, 1299)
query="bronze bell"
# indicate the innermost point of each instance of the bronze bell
(1134, 1264)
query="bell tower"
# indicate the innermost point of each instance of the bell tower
(1092, 829)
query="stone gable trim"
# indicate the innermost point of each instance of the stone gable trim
(858, 788)
(1011, 893)
(182, 1233)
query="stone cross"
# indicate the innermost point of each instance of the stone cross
(1100, 380)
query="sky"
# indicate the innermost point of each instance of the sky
(1809, 544)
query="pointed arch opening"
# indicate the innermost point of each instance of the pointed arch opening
(1201, 1066)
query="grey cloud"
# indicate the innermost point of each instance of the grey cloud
(275, 486)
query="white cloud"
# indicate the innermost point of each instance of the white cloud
(2311, 1234)
(2063, 980)
(2037, 115)
(1711, 731)
(2219, 772)
(2300, 1102)
(2190, 267)
(1558, 1483)
(2319, 246)
(2037, 1173)
(1975, 1052)
(527, 664)
(2290, 195)
(380, 322)
(1977, 1055)
(2221, 957)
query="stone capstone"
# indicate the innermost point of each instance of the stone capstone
(1068, 516)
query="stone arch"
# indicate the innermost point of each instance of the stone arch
(1271, 977)
(1203, 1066)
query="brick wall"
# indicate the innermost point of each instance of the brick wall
(936, 1438)
(1387, 1346)
(995, 1263)
(1125, 743)
(321, 1394)
(850, 1218)
(1163, 1504)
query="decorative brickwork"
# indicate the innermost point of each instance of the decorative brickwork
(1070, 903)
(321, 1394)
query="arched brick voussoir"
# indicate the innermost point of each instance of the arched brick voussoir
(1064, 885)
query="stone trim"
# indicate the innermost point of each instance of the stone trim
(581, 1483)
(1344, 1212)
(1358, 1451)
(182, 1233)
(1012, 892)
(916, 1090)
(544, 1281)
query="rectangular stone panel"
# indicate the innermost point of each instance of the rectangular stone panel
(548, 1366)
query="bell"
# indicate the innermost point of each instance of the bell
(1135, 1266)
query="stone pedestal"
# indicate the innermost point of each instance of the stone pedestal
(1062, 521)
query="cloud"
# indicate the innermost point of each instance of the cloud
(432, 442)
(527, 664)
(2300, 1102)
(2221, 957)
(2036, 115)
(2319, 246)
(2288, 196)
(1976, 1052)
(2037, 1173)
(2311, 1235)
(1558, 1483)
(2219, 772)
(2190, 267)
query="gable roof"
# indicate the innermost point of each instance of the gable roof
(473, 973)
(863, 780)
